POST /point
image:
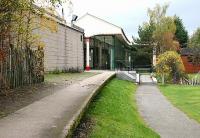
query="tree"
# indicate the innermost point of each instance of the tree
(165, 29)
(195, 39)
(145, 33)
(18, 20)
(181, 33)
(144, 45)
(142, 56)
(170, 65)
(194, 44)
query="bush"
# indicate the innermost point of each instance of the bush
(66, 70)
(170, 67)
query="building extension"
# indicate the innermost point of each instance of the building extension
(106, 45)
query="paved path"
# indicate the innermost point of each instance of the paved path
(162, 116)
(145, 79)
(48, 117)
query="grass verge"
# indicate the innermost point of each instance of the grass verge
(186, 98)
(62, 77)
(113, 113)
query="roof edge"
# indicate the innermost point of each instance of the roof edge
(123, 33)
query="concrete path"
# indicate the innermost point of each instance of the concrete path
(162, 116)
(145, 79)
(52, 116)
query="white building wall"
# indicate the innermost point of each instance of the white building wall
(94, 26)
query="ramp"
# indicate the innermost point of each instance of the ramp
(127, 75)
(146, 79)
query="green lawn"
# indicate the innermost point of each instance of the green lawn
(186, 98)
(115, 113)
(61, 77)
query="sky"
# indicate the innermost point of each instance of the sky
(129, 14)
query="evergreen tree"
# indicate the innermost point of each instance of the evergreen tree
(181, 33)
(145, 33)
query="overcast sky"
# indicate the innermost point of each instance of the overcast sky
(129, 14)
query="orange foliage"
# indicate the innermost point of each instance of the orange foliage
(169, 43)
(49, 24)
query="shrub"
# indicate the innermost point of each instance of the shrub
(170, 66)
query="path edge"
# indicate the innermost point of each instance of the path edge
(75, 120)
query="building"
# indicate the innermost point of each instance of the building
(63, 49)
(186, 56)
(106, 45)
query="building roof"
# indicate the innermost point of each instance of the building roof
(96, 26)
(60, 20)
(186, 51)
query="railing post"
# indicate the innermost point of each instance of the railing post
(138, 78)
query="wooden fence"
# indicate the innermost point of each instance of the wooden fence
(21, 66)
(192, 81)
